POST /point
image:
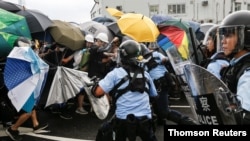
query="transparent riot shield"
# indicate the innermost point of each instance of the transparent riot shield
(214, 104)
(178, 64)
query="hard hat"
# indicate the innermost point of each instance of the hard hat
(103, 37)
(89, 38)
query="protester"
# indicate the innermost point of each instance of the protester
(13, 131)
(132, 98)
(83, 66)
(235, 33)
(97, 59)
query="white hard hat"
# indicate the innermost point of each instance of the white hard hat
(103, 37)
(89, 38)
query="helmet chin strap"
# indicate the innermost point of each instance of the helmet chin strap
(232, 54)
(235, 51)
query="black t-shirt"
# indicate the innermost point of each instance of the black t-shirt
(96, 67)
(67, 53)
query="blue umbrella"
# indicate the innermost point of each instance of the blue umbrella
(159, 18)
(24, 76)
(103, 20)
(194, 25)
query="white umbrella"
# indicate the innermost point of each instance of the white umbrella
(68, 82)
(94, 28)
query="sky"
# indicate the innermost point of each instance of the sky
(66, 10)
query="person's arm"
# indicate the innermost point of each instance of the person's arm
(66, 60)
(105, 85)
(98, 91)
(164, 59)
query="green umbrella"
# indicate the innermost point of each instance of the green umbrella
(177, 23)
(6, 43)
(12, 26)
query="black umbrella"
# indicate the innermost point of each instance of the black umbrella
(37, 21)
(8, 6)
(114, 28)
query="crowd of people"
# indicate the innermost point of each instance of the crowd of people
(141, 80)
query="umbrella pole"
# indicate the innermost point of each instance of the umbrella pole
(193, 45)
(44, 37)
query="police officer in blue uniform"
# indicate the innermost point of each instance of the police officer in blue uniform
(235, 31)
(163, 82)
(133, 111)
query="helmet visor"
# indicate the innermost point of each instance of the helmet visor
(227, 31)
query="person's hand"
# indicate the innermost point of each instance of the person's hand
(109, 54)
(115, 39)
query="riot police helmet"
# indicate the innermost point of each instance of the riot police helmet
(237, 23)
(129, 51)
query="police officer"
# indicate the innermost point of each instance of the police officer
(216, 59)
(163, 82)
(133, 112)
(235, 31)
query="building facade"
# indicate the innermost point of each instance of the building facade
(197, 10)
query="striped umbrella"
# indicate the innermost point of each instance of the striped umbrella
(24, 76)
(174, 36)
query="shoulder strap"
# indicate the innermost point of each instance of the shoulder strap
(116, 87)
(244, 65)
(113, 91)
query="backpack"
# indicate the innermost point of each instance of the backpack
(137, 82)
(151, 63)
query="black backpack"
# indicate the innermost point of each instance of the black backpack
(137, 82)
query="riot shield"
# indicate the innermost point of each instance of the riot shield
(178, 64)
(214, 104)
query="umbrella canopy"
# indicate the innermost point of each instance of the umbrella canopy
(194, 25)
(114, 28)
(94, 28)
(103, 20)
(138, 27)
(12, 7)
(67, 34)
(11, 27)
(206, 26)
(159, 18)
(114, 12)
(37, 21)
(7, 42)
(67, 83)
(176, 22)
(174, 36)
(24, 85)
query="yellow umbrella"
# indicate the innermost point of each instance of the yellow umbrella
(114, 12)
(138, 27)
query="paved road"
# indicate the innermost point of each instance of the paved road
(80, 128)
